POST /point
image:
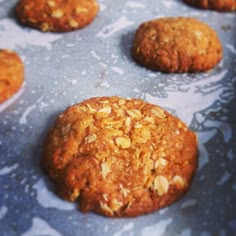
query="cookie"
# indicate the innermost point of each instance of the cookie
(119, 157)
(178, 45)
(57, 15)
(217, 5)
(11, 74)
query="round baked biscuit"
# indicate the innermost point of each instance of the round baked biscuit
(57, 15)
(11, 74)
(178, 45)
(218, 5)
(120, 157)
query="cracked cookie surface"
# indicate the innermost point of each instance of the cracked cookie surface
(178, 45)
(11, 74)
(218, 5)
(119, 157)
(57, 15)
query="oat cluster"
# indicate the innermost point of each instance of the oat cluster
(120, 157)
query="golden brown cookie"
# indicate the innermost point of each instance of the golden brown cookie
(57, 15)
(11, 74)
(120, 157)
(179, 45)
(218, 5)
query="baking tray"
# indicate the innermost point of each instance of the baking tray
(66, 68)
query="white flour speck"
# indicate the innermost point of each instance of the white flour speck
(27, 188)
(117, 70)
(125, 228)
(3, 212)
(164, 210)
(113, 56)
(109, 30)
(186, 232)
(70, 45)
(74, 81)
(8, 169)
(43, 105)
(205, 233)
(22, 182)
(102, 7)
(103, 64)
(94, 54)
(231, 48)
(151, 75)
(84, 72)
(230, 154)
(105, 85)
(157, 229)
(106, 227)
(169, 4)
(189, 203)
(134, 5)
(224, 178)
(23, 119)
(39, 225)
(136, 90)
